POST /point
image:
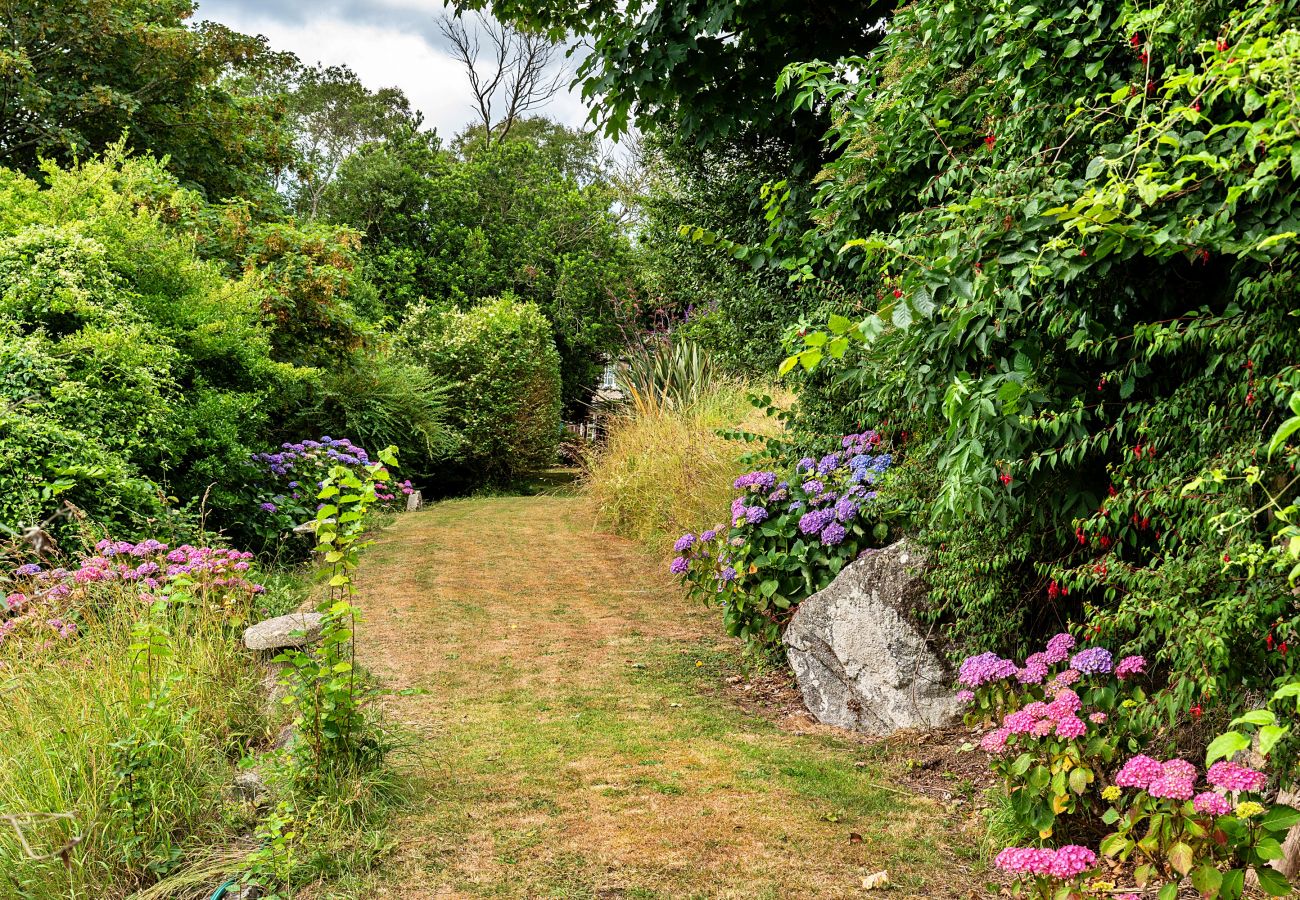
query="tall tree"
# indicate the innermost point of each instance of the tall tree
(76, 76)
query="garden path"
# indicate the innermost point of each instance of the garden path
(572, 736)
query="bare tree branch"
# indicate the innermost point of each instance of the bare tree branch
(516, 75)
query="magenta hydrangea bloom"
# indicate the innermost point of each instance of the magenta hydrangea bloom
(995, 742)
(964, 696)
(1071, 861)
(1131, 665)
(1071, 727)
(1139, 772)
(1025, 860)
(1234, 777)
(1211, 804)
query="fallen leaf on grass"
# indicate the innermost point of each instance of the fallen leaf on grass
(855, 838)
(877, 880)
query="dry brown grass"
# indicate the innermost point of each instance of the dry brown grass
(573, 741)
(667, 471)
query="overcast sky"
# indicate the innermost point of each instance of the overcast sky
(388, 43)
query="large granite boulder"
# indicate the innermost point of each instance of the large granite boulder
(293, 630)
(859, 657)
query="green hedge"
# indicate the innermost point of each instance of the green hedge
(503, 375)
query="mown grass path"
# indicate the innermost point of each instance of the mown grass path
(572, 738)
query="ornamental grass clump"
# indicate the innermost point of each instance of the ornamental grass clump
(786, 537)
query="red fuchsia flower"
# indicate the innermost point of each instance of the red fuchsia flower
(1135, 40)
(1282, 648)
(1144, 58)
(1111, 492)
(1053, 590)
(1083, 251)
(897, 293)
(990, 140)
(1221, 45)
(1078, 533)
(1196, 711)
(1231, 776)
(1268, 642)
(1105, 542)
(1004, 478)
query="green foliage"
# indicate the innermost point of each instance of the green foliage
(75, 77)
(1084, 277)
(666, 375)
(382, 398)
(703, 68)
(503, 383)
(327, 690)
(127, 362)
(525, 216)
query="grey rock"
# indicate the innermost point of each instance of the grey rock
(414, 501)
(293, 630)
(248, 785)
(860, 660)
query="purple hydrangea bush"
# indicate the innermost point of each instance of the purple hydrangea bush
(289, 478)
(788, 534)
(46, 605)
(1068, 725)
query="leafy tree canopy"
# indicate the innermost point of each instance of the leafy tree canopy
(76, 76)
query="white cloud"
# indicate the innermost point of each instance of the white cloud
(401, 55)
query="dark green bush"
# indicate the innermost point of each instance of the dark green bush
(503, 377)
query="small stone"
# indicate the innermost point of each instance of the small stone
(248, 785)
(293, 630)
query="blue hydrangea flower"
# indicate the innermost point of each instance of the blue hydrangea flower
(679, 565)
(684, 542)
(833, 533)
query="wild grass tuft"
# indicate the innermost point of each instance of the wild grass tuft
(666, 469)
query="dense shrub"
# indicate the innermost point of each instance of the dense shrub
(502, 374)
(1081, 296)
(669, 469)
(127, 362)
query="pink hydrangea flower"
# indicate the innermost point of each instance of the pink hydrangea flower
(1129, 666)
(1097, 718)
(1025, 860)
(1233, 777)
(1139, 772)
(1211, 804)
(1071, 727)
(1176, 782)
(1058, 648)
(1071, 861)
(995, 742)
(965, 696)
